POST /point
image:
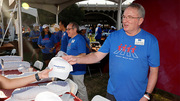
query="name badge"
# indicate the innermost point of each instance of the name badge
(139, 41)
(72, 41)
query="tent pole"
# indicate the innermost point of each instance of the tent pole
(57, 13)
(20, 41)
(37, 20)
(56, 18)
(37, 17)
(2, 18)
(119, 25)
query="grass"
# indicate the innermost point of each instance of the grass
(97, 85)
(160, 95)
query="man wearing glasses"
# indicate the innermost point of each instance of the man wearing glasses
(77, 47)
(133, 51)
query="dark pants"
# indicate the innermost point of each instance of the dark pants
(110, 97)
(47, 56)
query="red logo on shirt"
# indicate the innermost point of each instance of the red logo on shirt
(46, 39)
(126, 52)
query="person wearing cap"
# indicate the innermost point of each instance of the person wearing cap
(6, 83)
(65, 38)
(34, 35)
(106, 30)
(58, 35)
(112, 29)
(133, 52)
(77, 47)
(98, 33)
(47, 42)
(83, 32)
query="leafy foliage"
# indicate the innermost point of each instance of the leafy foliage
(46, 17)
(27, 20)
(72, 14)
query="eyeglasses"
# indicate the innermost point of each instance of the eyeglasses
(129, 17)
(69, 29)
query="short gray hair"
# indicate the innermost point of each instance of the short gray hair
(139, 7)
(75, 25)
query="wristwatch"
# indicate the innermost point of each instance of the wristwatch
(149, 94)
(37, 77)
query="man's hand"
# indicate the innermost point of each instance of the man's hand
(44, 74)
(70, 59)
(51, 50)
(42, 47)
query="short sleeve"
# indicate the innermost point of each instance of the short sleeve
(153, 53)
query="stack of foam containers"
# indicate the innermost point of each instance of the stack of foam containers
(14, 62)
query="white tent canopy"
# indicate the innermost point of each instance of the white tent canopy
(55, 6)
(30, 10)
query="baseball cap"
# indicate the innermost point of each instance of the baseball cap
(61, 54)
(99, 24)
(82, 27)
(61, 68)
(47, 96)
(45, 25)
(34, 25)
(56, 26)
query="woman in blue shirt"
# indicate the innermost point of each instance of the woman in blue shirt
(47, 42)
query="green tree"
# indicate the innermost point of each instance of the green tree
(46, 17)
(27, 20)
(69, 14)
(72, 13)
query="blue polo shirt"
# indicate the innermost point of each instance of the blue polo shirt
(76, 46)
